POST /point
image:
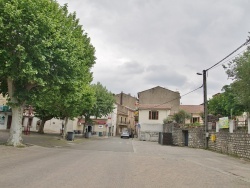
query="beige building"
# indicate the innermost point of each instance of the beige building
(155, 105)
(126, 108)
(159, 95)
(126, 100)
(3, 100)
(125, 119)
(195, 111)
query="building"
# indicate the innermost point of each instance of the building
(155, 105)
(126, 111)
(196, 112)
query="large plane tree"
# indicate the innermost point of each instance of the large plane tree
(41, 45)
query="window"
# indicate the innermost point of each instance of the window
(196, 119)
(153, 114)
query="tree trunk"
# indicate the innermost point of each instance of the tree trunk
(86, 120)
(41, 127)
(65, 128)
(15, 138)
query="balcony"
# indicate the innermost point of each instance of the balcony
(124, 123)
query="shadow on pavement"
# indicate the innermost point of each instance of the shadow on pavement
(51, 140)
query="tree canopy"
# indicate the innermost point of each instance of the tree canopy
(225, 103)
(238, 70)
(42, 45)
(103, 105)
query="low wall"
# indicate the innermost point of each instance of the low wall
(237, 143)
(195, 135)
(150, 132)
(149, 136)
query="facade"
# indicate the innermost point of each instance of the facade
(125, 119)
(195, 111)
(112, 121)
(155, 105)
(126, 100)
(126, 108)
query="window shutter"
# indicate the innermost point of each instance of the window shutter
(149, 115)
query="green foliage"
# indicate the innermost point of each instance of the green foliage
(239, 70)
(169, 119)
(225, 104)
(41, 45)
(196, 124)
(103, 105)
(45, 58)
(104, 101)
(181, 116)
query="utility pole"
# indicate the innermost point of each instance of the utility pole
(205, 108)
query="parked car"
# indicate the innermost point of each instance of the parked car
(125, 134)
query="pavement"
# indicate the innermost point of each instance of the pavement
(50, 140)
(98, 162)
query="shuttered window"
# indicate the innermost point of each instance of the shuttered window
(153, 115)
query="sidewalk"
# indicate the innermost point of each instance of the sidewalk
(50, 140)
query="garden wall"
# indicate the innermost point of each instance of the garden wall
(236, 143)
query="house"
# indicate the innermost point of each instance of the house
(126, 100)
(155, 105)
(112, 121)
(126, 110)
(195, 111)
(125, 119)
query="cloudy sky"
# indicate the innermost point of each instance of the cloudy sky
(141, 44)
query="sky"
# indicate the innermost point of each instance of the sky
(141, 44)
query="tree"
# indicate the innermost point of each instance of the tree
(225, 103)
(238, 70)
(181, 116)
(41, 45)
(104, 103)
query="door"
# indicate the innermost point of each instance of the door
(185, 138)
(9, 122)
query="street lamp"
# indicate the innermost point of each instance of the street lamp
(204, 73)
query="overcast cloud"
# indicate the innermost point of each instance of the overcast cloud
(141, 44)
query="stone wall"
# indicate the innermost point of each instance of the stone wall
(195, 135)
(237, 143)
(178, 137)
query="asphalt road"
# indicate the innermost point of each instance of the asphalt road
(117, 163)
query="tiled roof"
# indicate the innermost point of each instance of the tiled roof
(154, 106)
(192, 108)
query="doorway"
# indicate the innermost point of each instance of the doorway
(9, 122)
(185, 134)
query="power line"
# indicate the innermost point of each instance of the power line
(230, 58)
(245, 43)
